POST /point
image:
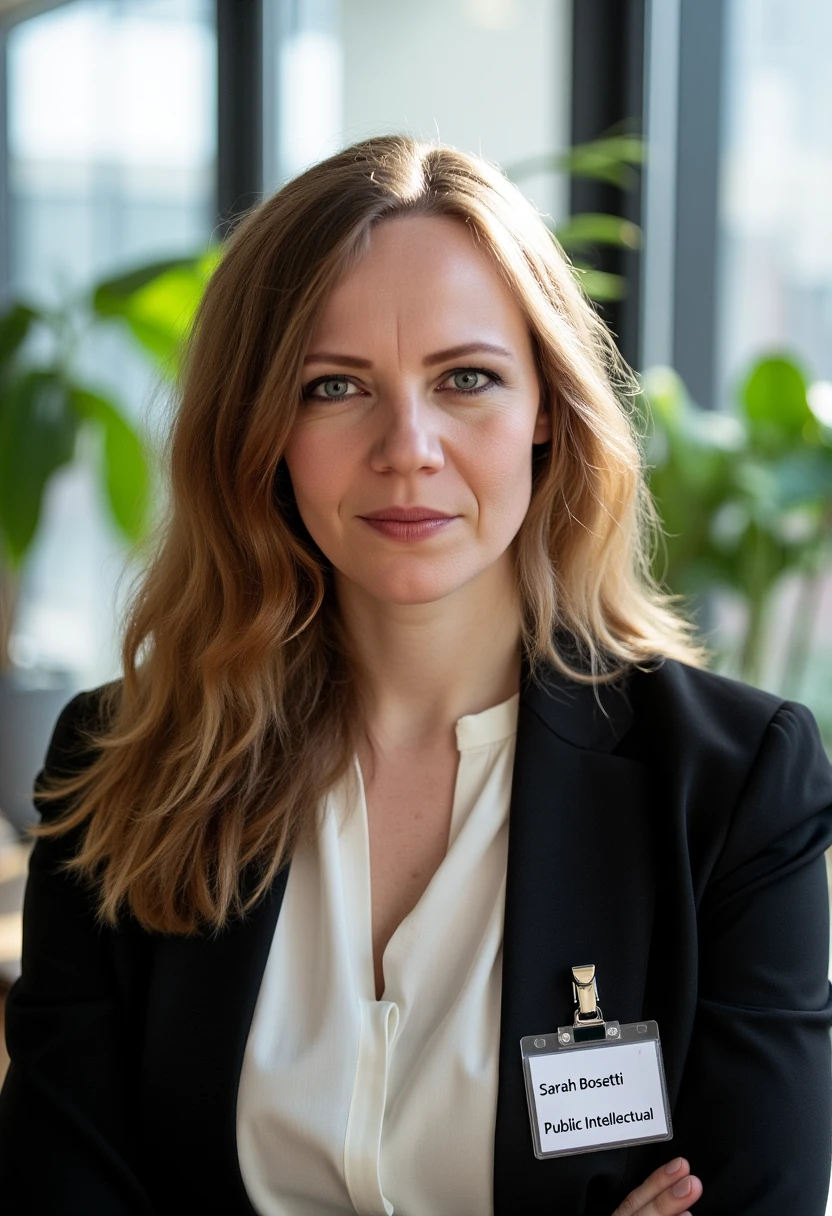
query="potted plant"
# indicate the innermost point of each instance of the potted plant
(745, 497)
(45, 406)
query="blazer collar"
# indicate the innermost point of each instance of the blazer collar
(587, 716)
(578, 889)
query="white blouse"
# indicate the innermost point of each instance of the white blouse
(351, 1104)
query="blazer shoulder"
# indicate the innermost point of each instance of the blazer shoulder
(703, 711)
(71, 744)
(726, 743)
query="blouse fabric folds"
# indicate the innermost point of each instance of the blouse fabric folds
(351, 1104)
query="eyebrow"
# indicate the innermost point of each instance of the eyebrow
(440, 356)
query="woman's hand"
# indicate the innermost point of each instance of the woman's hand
(669, 1191)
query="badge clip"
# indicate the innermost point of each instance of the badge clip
(585, 995)
(588, 1022)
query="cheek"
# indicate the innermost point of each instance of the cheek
(501, 465)
(316, 468)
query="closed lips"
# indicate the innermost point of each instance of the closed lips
(407, 514)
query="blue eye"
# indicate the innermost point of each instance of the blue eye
(340, 381)
(470, 373)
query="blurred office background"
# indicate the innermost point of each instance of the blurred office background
(133, 131)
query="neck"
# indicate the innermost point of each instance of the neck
(429, 664)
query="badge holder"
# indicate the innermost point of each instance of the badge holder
(595, 1084)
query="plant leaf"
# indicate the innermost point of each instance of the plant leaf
(774, 398)
(665, 394)
(606, 159)
(110, 296)
(596, 228)
(14, 327)
(37, 435)
(600, 284)
(125, 475)
(159, 307)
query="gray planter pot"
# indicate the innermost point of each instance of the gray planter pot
(30, 701)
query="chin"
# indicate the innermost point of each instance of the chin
(413, 594)
(425, 588)
(407, 581)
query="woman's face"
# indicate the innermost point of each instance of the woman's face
(394, 416)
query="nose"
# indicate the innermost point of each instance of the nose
(408, 435)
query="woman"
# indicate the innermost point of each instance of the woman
(405, 732)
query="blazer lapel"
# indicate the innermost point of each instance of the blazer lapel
(579, 889)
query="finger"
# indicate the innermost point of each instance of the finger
(677, 1199)
(666, 1176)
(653, 1186)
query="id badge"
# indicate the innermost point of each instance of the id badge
(595, 1084)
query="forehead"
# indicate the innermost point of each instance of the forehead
(424, 279)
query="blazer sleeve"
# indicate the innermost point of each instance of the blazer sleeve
(67, 1145)
(754, 1114)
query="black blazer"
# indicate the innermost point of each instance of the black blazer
(678, 845)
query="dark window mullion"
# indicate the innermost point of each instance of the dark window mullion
(701, 52)
(607, 87)
(239, 182)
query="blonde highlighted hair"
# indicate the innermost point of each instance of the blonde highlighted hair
(241, 700)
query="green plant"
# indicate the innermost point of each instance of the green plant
(745, 497)
(610, 159)
(157, 303)
(45, 405)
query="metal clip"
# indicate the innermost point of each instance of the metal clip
(585, 993)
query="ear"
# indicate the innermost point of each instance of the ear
(543, 425)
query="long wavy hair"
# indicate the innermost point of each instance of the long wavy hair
(242, 700)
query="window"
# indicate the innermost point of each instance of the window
(111, 161)
(492, 76)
